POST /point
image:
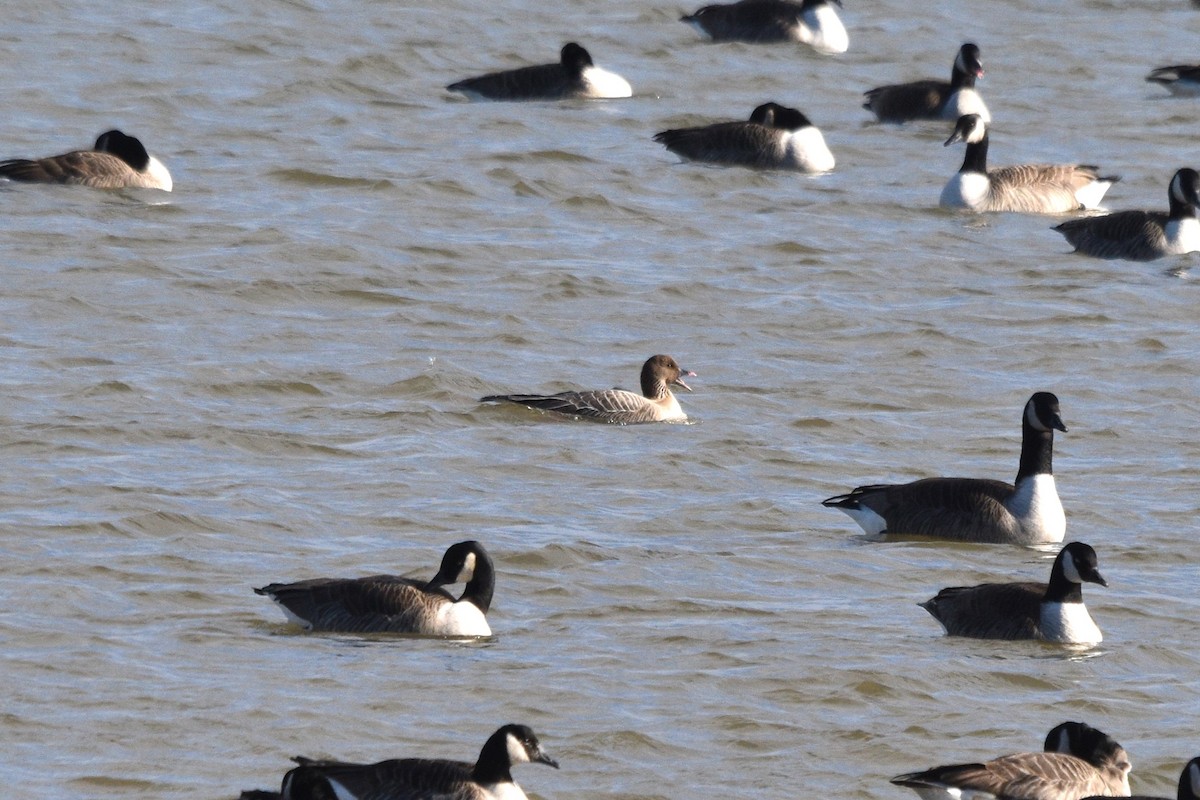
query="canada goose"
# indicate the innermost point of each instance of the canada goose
(1026, 188)
(386, 603)
(1189, 784)
(974, 509)
(775, 137)
(932, 99)
(116, 162)
(1053, 612)
(575, 76)
(489, 778)
(1143, 235)
(811, 22)
(656, 403)
(1182, 80)
(1078, 761)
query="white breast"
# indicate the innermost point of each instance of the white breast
(602, 83)
(806, 149)
(965, 101)
(966, 190)
(670, 410)
(505, 791)
(823, 29)
(1037, 508)
(1183, 236)
(461, 619)
(1069, 623)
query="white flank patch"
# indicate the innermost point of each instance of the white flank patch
(1037, 508)
(807, 150)
(1183, 236)
(823, 29)
(287, 612)
(965, 101)
(695, 23)
(1069, 623)
(867, 519)
(460, 619)
(158, 171)
(1090, 196)
(1184, 87)
(602, 83)
(965, 190)
(341, 792)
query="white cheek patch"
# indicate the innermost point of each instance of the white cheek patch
(1193, 772)
(516, 751)
(1032, 418)
(1070, 569)
(468, 569)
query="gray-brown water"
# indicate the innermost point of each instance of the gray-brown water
(271, 374)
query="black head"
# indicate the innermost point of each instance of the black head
(789, 119)
(574, 58)
(970, 128)
(126, 148)
(968, 62)
(458, 564)
(512, 744)
(1083, 741)
(765, 114)
(1184, 187)
(663, 369)
(1078, 564)
(1189, 781)
(807, 4)
(1041, 413)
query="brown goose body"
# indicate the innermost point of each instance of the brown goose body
(117, 162)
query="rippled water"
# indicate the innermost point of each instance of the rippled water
(271, 374)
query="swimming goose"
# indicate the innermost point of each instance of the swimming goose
(811, 22)
(1052, 612)
(489, 778)
(775, 137)
(1143, 235)
(1182, 80)
(932, 99)
(1078, 761)
(974, 509)
(575, 76)
(117, 162)
(1189, 784)
(656, 403)
(386, 603)
(1026, 188)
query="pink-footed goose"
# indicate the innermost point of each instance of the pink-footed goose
(656, 403)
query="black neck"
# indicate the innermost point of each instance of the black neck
(1037, 451)
(479, 589)
(975, 159)
(493, 765)
(1061, 590)
(960, 79)
(1180, 209)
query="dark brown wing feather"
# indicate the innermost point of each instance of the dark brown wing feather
(379, 603)
(1135, 235)
(742, 143)
(398, 779)
(989, 611)
(964, 509)
(905, 101)
(543, 82)
(82, 168)
(1024, 776)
